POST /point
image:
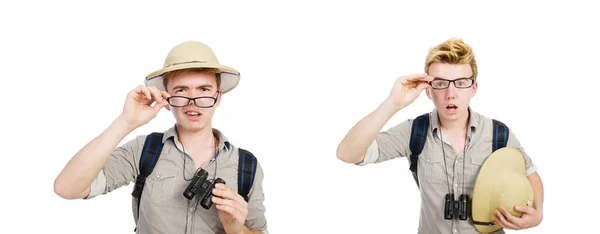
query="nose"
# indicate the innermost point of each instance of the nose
(451, 91)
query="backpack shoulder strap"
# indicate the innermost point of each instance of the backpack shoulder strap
(246, 171)
(150, 154)
(418, 136)
(499, 135)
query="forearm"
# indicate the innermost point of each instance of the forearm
(538, 191)
(353, 147)
(75, 179)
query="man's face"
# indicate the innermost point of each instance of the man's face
(193, 85)
(452, 103)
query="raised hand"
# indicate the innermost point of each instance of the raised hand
(407, 89)
(142, 105)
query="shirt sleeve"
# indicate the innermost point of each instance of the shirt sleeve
(120, 169)
(256, 219)
(98, 187)
(389, 144)
(514, 142)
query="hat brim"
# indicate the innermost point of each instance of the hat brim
(501, 182)
(230, 77)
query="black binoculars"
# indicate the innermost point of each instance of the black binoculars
(458, 208)
(202, 187)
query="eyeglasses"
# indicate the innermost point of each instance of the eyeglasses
(202, 102)
(460, 83)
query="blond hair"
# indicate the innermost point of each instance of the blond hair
(452, 51)
(170, 74)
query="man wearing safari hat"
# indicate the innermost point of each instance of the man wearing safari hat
(447, 147)
(185, 158)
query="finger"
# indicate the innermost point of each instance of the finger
(156, 94)
(509, 217)
(228, 202)
(138, 89)
(137, 92)
(502, 220)
(422, 86)
(225, 192)
(419, 76)
(146, 92)
(160, 105)
(525, 209)
(498, 222)
(232, 211)
(165, 94)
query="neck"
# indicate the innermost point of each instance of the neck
(203, 138)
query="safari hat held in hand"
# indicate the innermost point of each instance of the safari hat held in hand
(501, 182)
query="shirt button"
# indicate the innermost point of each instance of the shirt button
(157, 176)
(455, 185)
(428, 160)
(454, 230)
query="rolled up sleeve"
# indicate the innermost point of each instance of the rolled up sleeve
(120, 169)
(98, 187)
(256, 219)
(372, 154)
(389, 144)
(514, 142)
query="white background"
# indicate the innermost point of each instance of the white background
(310, 71)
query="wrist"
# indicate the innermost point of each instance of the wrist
(123, 125)
(243, 230)
(390, 108)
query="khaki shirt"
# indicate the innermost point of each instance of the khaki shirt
(163, 208)
(394, 143)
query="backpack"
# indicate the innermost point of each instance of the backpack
(419, 135)
(151, 153)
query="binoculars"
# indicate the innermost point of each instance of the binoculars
(458, 208)
(202, 187)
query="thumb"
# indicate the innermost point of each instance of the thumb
(422, 86)
(525, 209)
(160, 105)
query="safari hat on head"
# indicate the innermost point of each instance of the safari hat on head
(501, 182)
(193, 54)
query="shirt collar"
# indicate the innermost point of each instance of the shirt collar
(435, 122)
(172, 133)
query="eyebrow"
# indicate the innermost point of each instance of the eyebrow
(439, 78)
(187, 87)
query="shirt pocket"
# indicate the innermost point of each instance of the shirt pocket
(434, 169)
(476, 158)
(162, 184)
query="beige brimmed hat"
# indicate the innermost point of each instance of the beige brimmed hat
(193, 54)
(501, 182)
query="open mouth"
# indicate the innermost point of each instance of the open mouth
(451, 107)
(193, 113)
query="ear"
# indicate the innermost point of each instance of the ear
(219, 95)
(428, 93)
(474, 88)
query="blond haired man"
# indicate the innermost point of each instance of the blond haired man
(179, 172)
(458, 140)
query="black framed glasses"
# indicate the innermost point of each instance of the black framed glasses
(202, 102)
(460, 83)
